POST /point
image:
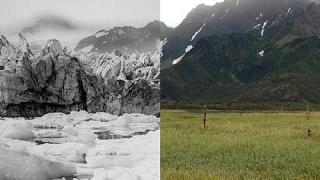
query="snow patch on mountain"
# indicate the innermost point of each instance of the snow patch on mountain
(197, 32)
(261, 53)
(263, 27)
(259, 16)
(227, 11)
(163, 42)
(87, 49)
(176, 61)
(188, 48)
(120, 32)
(101, 33)
(288, 12)
(256, 26)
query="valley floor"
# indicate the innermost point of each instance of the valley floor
(261, 145)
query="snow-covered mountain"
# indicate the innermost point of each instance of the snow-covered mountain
(128, 38)
(230, 16)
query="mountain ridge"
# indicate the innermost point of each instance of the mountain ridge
(126, 38)
(228, 17)
(246, 67)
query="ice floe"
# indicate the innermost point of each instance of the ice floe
(19, 165)
(16, 129)
(82, 146)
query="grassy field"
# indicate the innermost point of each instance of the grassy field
(239, 146)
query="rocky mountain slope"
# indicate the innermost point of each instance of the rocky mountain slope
(230, 16)
(51, 80)
(129, 39)
(277, 63)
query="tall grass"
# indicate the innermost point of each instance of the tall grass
(239, 146)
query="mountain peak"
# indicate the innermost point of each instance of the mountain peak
(3, 41)
(156, 23)
(159, 28)
(23, 44)
(53, 45)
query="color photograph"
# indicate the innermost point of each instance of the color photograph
(240, 83)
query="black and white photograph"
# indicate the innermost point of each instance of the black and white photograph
(80, 89)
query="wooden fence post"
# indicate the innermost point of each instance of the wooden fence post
(308, 114)
(205, 116)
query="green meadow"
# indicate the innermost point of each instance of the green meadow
(262, 145)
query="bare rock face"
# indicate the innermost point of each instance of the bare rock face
(32, 84)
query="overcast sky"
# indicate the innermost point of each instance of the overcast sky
(15, 14)
(107, 13)
(174, 11)
(90, 15)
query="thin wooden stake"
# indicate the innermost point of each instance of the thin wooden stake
(205, 116)
(308, 114)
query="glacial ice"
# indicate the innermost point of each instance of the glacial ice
(16, 130)
(22, 165)
(71, 142)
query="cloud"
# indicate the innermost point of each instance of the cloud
(15, 14)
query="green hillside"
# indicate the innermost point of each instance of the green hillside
(282, 66)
